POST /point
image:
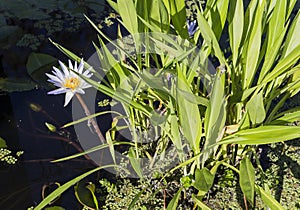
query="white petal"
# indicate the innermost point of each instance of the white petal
(68, 97)
(57, 91)
(58, 73)
(80, 67)
(79, 90)
(53, 78)
(87, 74)
(64, 68)
(75, 66)
(70, 65)
(57, 84)
(86, 86)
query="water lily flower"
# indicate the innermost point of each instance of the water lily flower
(192, 27)
(67, 81)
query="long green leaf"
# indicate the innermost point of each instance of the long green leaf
(247, 179)
(283, 65)
(93, 149)
(292, 39)
(200, 203)
(217, 16)
(253, 47)
(67, 185)
(263, 135)
(235, 27)
(275, 35)
(189, 114)
(174, 202)
(215, 115)
(209, 36)
(255, 109)
(193, 98)
(128, 14)
(287, 118)
(158, 16)
(268, 199)
(89, 117)
(177, 11)
(135, 162)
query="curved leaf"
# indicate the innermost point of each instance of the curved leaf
(247, 179)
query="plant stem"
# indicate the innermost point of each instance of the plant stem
(92, 120)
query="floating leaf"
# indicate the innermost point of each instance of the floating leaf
(38, 64)
(56, 193)
(16, 84)
(2, 143)
(85, 193)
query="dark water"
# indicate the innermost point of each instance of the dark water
(24, 129)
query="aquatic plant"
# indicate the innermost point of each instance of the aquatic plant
(68, 81)
(214, 119)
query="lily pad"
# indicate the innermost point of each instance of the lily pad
(23, 9)
(8, 35)
(16, 84)
(2, 143)
(38, 64)
(85, 193)
(2, 21)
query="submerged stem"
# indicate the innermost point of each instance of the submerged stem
(92, 120)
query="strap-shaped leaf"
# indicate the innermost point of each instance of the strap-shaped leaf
(255, 109)
(235, 27)
(263, 135)
(128, 14)
(268, 199)
(247, 179)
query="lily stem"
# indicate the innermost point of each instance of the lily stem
(92, 120)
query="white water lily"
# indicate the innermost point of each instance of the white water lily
(67, 81)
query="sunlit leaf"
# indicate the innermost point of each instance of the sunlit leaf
(203, 180)
(174, 202)
(200, 203)
(247, 179)
(268, 199)
(263, 135)
(127, 11)
(236, 24)
(255, 109)
(135, 162)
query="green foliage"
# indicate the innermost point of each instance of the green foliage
(219, 117)
(124, 194)
(2, 143)
(16, 84)
(247, 179)
(6, 155)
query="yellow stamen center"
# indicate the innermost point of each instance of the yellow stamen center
(72, 83)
